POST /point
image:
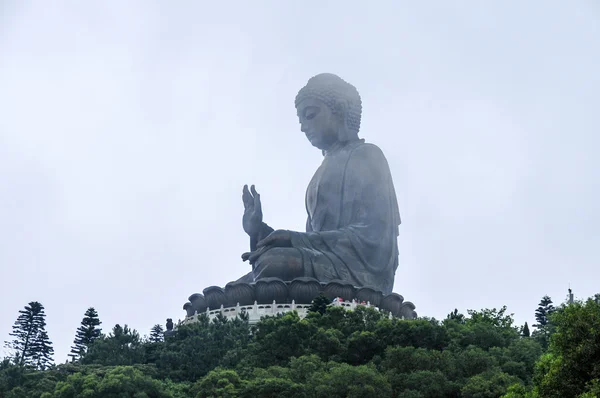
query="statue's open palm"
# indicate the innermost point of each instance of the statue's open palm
(253, 216)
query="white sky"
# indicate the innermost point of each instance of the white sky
(127, 130)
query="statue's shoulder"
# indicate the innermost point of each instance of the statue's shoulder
(367, 150)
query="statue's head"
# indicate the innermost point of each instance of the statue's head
(329, 110)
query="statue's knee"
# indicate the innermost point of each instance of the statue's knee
(278, 262)
(268, 264)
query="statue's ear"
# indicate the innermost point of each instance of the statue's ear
(339, 109)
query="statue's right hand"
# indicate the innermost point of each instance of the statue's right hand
(252, 218)
(251, 257)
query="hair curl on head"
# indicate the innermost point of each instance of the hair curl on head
(339, 96)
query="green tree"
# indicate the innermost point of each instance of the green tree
(419, 333)
(25, 381)
(487, 328)
(525, 331)
(339, 353)
(542, 317)
(200, 347)
(490, 384)
(342, 380)
(11, 376)
(361, 347)
(520, 357)
(31, 345)
(123, 346)
(572, 366)
(518, 390)
(43, 351)
(319, 304)
(225, 383)
(277, 339)
(157, 334)
(86, 334)
(272, 387)
(456, 316)
(116, 382)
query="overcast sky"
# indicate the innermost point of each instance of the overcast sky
(127, 130)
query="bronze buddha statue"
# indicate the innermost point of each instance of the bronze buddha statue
(353, 218)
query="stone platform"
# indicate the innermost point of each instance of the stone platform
(271, 296)
(256, 311)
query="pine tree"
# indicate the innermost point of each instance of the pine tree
(157, 334)
(44, 351)
(543, 325)
(543, 312)
(31, 345)
(86, 334)
(525, 332)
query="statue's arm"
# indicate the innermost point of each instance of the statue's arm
(309, 227)
(308, 224)
(262, 233)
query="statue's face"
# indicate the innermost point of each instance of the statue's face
(319, 123)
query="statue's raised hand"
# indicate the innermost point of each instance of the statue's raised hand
(252, 219)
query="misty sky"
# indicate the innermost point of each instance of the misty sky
(127, 130)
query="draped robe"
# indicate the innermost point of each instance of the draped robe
(352, 226)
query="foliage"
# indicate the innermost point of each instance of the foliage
(157, 334)
(115, 382)
(24, 381)
(31, 345)
(123, 346)
(86, 334)
(544, 326)
(334, 353)
(572, 365)
(488, 385)
(525, 331)
(219, 383)
(319, 304)
(198, 348)
(543, 312)
(43, 350)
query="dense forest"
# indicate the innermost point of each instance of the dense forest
(330, 353)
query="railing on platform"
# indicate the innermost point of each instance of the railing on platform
(256, 311)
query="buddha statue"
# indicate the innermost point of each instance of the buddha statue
(353, 218)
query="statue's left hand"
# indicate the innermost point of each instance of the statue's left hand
(279, 238)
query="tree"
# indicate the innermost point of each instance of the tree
(319, 304)
(571, 366)
(488, 384)
(31, 345)
(485, 329)
(157, 334)
(219, 383)
(86, 334)
(340, 353)
(525, 332)
(43, 351)
(456, 316)
(118, 381)
(543, 312)
(343, 380)
(121, 347)
(543, 325)
(200, 347)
